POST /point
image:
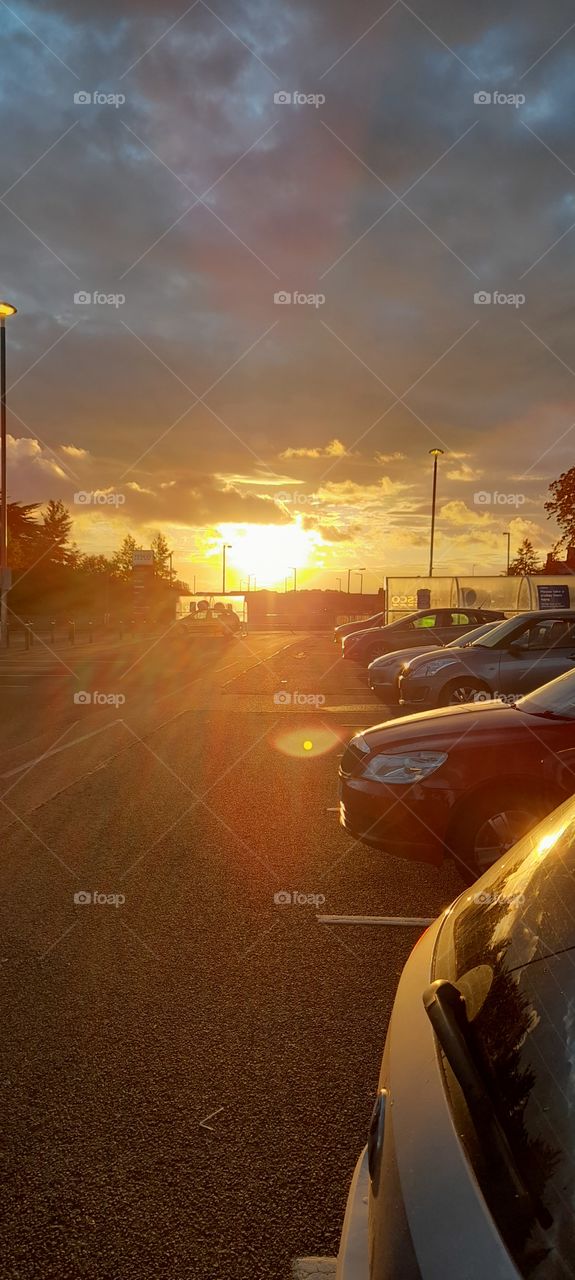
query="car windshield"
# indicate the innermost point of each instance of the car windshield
(554, 699)
(462, 642)
(495, 638)
(509, 946)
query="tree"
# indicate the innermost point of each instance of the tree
(562, 505)
(24, 534)
(526, 561)
(122, 559)
(161, 551)
(56, 530)
(98, 566)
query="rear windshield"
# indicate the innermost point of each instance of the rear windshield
(509, 945)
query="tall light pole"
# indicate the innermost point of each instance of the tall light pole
(508, 536)
(349, 573)
(294, 571)
(338, 580)
(226, 547)
(435, 453)
(360, 572)
(6, 310)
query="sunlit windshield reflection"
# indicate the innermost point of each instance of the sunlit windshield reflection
(554, 699)
(495, 637)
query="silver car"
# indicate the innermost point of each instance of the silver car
(516, 657)
(383, 673)
(469, 1168)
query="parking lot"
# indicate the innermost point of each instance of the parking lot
(190, 1057)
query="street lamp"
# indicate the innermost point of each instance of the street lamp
(6, 310)
(338, 580)
(349, 573)
(227, 546)
(435, 454)
(508, 536)
(360, 572)
(294, 571)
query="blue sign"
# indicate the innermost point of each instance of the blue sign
(553, 596)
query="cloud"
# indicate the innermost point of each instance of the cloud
(335, 449)
(295, 197)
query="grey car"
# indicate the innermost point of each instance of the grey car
(512, 659)
(427, 626)
(469, 1169)
(383, 673)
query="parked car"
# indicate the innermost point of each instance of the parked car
(468, 1170)
(518, 656)
(467, 780)
(347, 628)
(383, 673)
(429, 626)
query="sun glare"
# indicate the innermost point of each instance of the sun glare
(270, 552)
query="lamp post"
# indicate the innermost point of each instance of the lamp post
(294, 571)
(349, 573)
(227, 546)
(508, 536)
(338, 580)
(6, 310)
(435, 454)
(360, 573)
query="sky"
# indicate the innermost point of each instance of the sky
(267, 255)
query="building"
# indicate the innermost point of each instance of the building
(561, 567)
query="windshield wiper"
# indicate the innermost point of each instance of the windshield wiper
(447, 1012)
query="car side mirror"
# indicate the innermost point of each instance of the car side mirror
(517, 648)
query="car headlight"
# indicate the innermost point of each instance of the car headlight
(430, 668)
(408, 766)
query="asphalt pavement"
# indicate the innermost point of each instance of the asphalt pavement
(188, 1060)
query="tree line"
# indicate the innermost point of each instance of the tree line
(52, 575)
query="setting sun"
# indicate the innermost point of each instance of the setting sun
(270, 552)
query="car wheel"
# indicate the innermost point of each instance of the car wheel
(492, 825)
(458, 692)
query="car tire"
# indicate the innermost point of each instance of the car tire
(460, 692)
(491, 824)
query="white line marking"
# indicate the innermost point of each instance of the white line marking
(205, 1125)
(388, 920)
(56, 750)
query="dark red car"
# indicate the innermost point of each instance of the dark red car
(462, 781)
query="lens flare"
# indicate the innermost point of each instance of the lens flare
(307, 742)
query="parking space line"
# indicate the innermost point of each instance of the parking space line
(57, 750)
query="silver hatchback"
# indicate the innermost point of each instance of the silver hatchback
(469, 1168)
